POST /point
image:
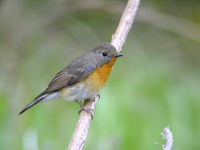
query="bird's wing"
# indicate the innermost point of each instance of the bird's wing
(68, 77)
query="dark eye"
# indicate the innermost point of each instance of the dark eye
(104, 54)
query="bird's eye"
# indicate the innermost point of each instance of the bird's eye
(104, 54)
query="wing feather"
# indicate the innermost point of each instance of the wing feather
(68, 77)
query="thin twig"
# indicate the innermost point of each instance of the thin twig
(118, 39)
(167, 135)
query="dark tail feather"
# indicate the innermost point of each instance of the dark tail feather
(34, 102)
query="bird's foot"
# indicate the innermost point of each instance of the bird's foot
(88, 110)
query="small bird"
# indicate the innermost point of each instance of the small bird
(81, 79)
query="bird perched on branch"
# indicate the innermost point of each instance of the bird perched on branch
(81, 79)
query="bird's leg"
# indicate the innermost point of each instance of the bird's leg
(88, 110)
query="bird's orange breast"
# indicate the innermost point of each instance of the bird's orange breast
(102, 73)
(99, 77)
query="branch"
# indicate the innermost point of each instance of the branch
(125, 24)
(118, 39)
(167, 135)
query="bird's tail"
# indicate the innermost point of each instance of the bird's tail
(35, 101)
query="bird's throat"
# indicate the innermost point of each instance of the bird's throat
(103, 72)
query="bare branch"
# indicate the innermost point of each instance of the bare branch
(118, 39)
(81, 130)
(167, 135)
(125, 24)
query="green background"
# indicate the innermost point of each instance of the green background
(155, 84)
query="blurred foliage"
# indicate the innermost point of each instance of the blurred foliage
(155, 83)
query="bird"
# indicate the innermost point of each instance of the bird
(81, 79)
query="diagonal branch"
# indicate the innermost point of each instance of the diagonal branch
(118, 39)
(125, 24)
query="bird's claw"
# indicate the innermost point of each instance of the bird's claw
(88, 110)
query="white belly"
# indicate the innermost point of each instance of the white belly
(79, 92)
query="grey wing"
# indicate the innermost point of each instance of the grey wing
(65, 78)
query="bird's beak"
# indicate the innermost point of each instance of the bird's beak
(118, 55)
